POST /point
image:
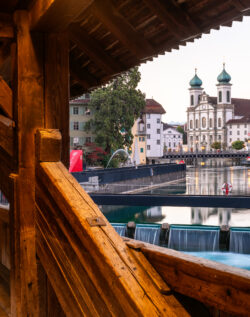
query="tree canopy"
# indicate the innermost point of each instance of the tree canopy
(216, 145)
(238, 145)
(115, 108)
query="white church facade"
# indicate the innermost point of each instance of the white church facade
(207, 117)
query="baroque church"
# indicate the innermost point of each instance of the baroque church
(208, 117)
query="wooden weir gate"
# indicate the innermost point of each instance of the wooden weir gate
(59, 255)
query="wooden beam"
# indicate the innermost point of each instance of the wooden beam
(177, 21)
(5, 98)
(104, 276)
(122, 30)
(218, 285)
(6, 167)
(6, 26)
(48, 142)
(95, 52)
(7, 134)
(57, 88)
(28, 90)
(56, 15)
(4, 214)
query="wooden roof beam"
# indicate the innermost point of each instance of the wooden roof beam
(56, 15)
(95, 52)
(5, 98)
(121, 29)
(176, 20)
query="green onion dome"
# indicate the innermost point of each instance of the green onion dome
(224, 77)
(195, 82)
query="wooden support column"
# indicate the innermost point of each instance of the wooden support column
(29, 116)
(57, 88)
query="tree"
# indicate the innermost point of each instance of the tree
(216, 145)
(115, 108)
(238, 145)
(184, 134)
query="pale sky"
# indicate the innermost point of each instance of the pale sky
(167, 77)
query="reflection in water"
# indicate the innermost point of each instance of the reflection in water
(205, 181)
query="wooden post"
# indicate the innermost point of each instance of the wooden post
(57, 88)
(29, 116)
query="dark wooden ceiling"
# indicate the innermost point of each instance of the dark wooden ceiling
(111, 36)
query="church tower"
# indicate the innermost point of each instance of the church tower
(224, 87)
(195, 90)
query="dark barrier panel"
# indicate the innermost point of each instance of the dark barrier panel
(114, 175)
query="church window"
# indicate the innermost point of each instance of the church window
(219, 137)
(199, 98)
(228, 96)
(192, 100)
(197, 138)
(210, 123)
(219, 122)
(238, 132)
(191, 124)
(191, 138)
(204, 138)
(220, 96)
(196, 123)
(203, 122)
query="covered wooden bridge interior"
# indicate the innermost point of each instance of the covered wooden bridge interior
(58, 254)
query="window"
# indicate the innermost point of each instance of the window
(245, 125)
(190, 125)
(238, 132)
(210, 123)
(169, 131)
(143, 139)
(211, 138)
(219, 122)
(220, 96)
(139, 138)
(197, 138)
(230, 140)
(199, 98)
(158, 120)
(219, 137)
(174, 136)
(148, 115)
(230, 132)
(204, 138)
(174, 144)
(238, 139)
(148, 147)
(228, 96)
(158, 142)
(148, 125)
(75, 110)
(245, 132)
(203, 120)
(196, 123)
(158, 131)
(76, 125)
(191, 138)
(148, 136)
(192, 100)
(141, 149)
(88, 139)
(169, 144)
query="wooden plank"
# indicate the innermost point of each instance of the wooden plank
(112, 264)
(7, 134)
(28, 115)
(6, 165)
(5, 98)
(218, 285)
(57, 88)
(6, 26)
(48, 142)
(56, 15)
(4, 299)
(123, 31)
(4, 214)
(96, 53)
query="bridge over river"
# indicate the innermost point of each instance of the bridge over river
(194, 155)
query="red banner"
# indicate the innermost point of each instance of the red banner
(75, 161)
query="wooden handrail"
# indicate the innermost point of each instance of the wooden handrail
(4, 213)
(91, 269)
(221, 286)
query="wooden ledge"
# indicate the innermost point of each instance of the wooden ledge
(48, 145)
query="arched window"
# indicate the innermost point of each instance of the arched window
(228, 96)
(210, 123)
(219, 122)
(203, 122)
(196, 123)
(220, 96)
(191, 124)
(192, 100)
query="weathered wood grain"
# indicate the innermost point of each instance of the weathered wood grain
(109, 265)
(5, 98)
(218, 285)
(4, 214)
(7, 134)
(48, 145)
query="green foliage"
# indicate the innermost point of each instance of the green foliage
(238, 145)
(216, 145)
(116, 106)
(180, 129)
(184, 134)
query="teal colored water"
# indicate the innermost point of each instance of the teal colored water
(233, 259)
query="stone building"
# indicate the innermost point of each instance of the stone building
(207, 116)
(172, 138)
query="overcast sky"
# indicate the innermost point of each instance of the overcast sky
(167, 77)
